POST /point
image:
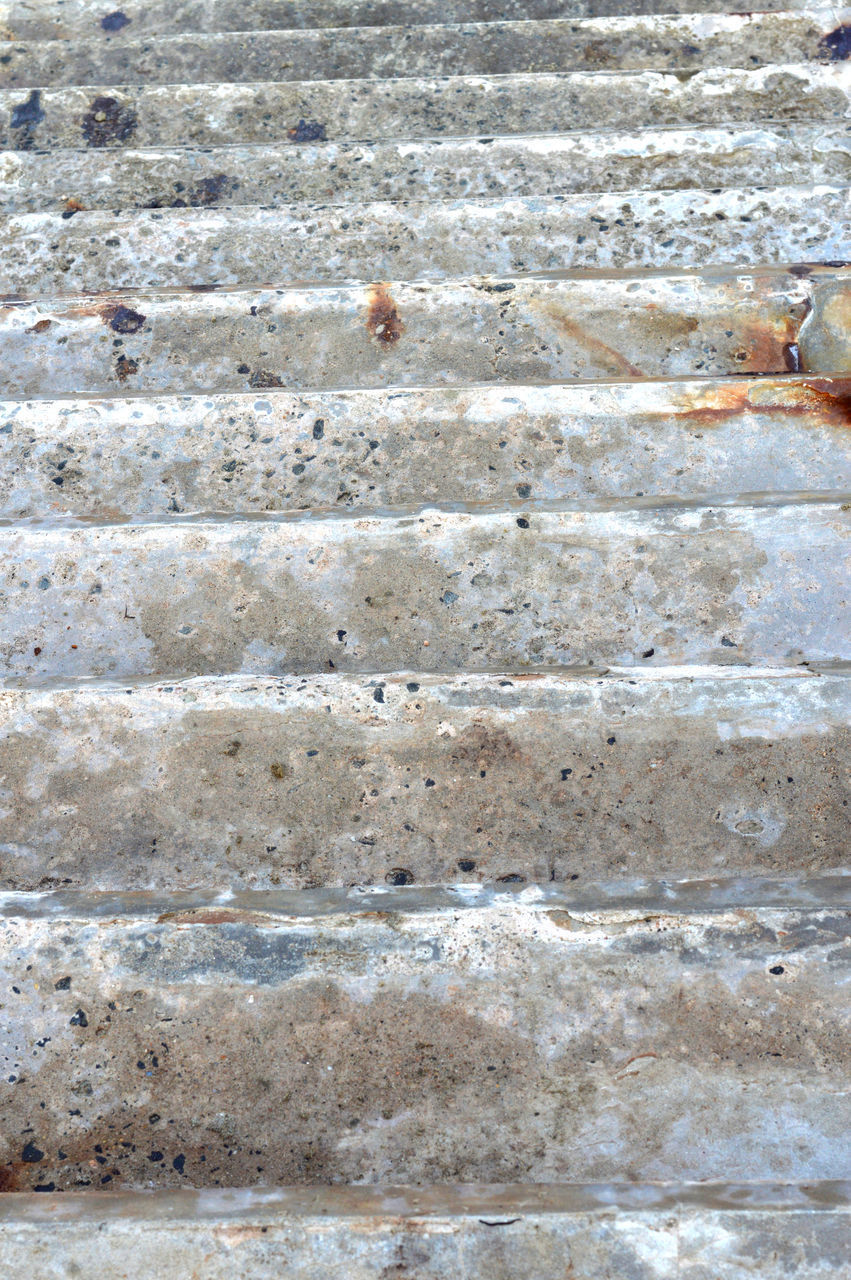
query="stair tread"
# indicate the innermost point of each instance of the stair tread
(683, 43)
(435, 591)
(100, 117)
(329, 175)
(756, 1043)
(306, 781)
(634, 442)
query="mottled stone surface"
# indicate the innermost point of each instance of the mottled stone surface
(303, 119)
(341, 780)
(485, 1233)
(271, 450)
(399, 334)
(329, 174)
(51, 254)
(436, 591)
(33, 20)
(623, 42)
(338, 1047)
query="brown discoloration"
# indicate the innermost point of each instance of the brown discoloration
(261, 378)
(383, 321)
(817, 402)
(124, 367)
(612, 361)
(216, 915)
(40, 326)
(122, 319)
(106, 121)
(766, 348)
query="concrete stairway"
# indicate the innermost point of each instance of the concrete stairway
(425, 640)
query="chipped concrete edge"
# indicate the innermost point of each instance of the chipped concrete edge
(633, 896)
(268, 1204)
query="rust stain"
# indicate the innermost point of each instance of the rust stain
(108, 121)
(818, 402)
(614, 361)
(383, 321)
(769, 348)
(40, 326)
(124, 367)
(8, 1179)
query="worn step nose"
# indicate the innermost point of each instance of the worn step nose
(424, 642)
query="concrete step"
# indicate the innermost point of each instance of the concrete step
(333, 1034)
(681, 1232)
(295, 114)
(436, 590)
(464, 169)
(530, 328)
(627, 42)
(45, 20)
(425, 239)
(278, 451)
(250, 782)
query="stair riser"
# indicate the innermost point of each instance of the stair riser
(437, 592)
(338, 1049)
(428, 240)
(339, 175)
(622, 43)
(46, 22)
(262, 783)
(431, 334)
(372, 449)
(548, 103)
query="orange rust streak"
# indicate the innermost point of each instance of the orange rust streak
(383, 321)
(825, 401)
(618, 363)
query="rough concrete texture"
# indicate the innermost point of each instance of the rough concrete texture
(337, 1048)
(411, 779)
(335, 174)
(278, 451)
(486, 1233)
(51, 254)
(717, 322)
(295, 115)
(438, 591)
(624, 42)
(93, 19)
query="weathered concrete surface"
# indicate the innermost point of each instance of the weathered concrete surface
(656, 1044)
(548, 327)
(51, 254)
(296, 114)
(624, 42)
(337, 780)
(338, 174)
(649, 1232)
(271, 450)
(435, 591)
(33, 20)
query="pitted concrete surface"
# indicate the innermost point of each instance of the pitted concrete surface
(424, 660)
(332, 1046)
(279, 451)
(625, 42)
(171, 248)
(436, 591)
(274, 112)
(335, 173)
(400, 334)
(337, 780)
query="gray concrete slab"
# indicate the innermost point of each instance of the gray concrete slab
(277, 451)
(438, 591)
(336, 780)
(551, 327)
(625, 41)
(487, 1233)
(48, 253)
(337, 1047)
